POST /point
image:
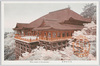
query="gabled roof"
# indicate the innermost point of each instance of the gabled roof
(57, 26)
(65, 14)
(59, 16)
(21, 26)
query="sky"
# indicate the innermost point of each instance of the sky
(28, 12)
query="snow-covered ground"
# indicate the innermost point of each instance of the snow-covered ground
(66, 54)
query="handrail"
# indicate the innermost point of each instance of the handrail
(43, 38)
(24, 39)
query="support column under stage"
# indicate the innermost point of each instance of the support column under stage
(39, 35)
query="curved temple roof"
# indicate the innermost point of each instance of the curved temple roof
(54, 19)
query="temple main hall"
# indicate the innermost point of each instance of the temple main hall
(50, 31)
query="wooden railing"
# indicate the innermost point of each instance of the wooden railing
(25, 39)
(55, 39)
(42, 38)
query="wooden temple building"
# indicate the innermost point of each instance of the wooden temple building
(51, 31)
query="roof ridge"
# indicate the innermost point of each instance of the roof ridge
(22, 23)
(50, 19)
(59, 10)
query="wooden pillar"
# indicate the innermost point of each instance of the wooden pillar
(56, 35)
(40, 34)
(37, 33)
(56, 45)
(28, 32)
(51, 44)
(46, 46)
(24, 32)
(43, 35)
(61, 34)
(66, 34)
(46, 35)
(61, 45)
(33, 33)
(69, 33)
(51, 35)
(20, 49)
(20, 32)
